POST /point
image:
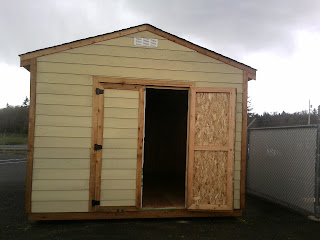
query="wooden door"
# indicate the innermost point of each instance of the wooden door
(120, 122)
(211, 149)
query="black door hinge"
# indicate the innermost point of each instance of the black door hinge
(97, 147)
(99, 91)
(95, 203)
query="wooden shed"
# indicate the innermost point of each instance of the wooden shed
(136, 123)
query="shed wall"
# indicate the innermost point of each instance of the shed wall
(64, 109)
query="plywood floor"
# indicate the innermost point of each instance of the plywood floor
(163, 197)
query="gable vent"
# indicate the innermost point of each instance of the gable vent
(145, 42)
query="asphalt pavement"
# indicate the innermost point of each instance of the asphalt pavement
(261, 219)
(14, 147)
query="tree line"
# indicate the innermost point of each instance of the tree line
(282, 119)
(276, 119)
(15, 119)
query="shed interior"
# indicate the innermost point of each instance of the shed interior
(165, 146)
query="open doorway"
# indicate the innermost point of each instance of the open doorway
(165, 143)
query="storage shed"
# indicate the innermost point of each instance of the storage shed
(136, 123)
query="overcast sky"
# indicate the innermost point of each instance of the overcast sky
(280, 38)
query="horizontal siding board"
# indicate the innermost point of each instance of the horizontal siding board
(238, 146)
(62, 110)
(238, 156)
(236, 175)
(236, 194)
(142, 63)
(46, 163)
(118, 174)
(237, 165)
(238, 117)
(61, 185)
(220, 84)
(121, 103)
(50, 131)
(137, 73)
(118, 203)
(236, 204)
(118, 184)
(120, 133)
(62, 142)
(68, 100)
(63, 121)
(67, 89)
(239, 107)
(75, 153)
(59, 206)
(119, 164)
(60, 174)
(119, 153)
(117, 195)
(66, 79)
(121, 113)
(120, 123)
(60, 195)
(237, 184)
(120, 143)
(238, 137)
(238, 127)
(151, 53)
(116, 93)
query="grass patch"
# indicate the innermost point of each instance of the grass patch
(13, 139)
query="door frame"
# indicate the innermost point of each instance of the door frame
(97, 128)
(187, 136)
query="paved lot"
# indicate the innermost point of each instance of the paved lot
(14, 147)
(261, 220)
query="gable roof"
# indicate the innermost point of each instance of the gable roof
(26, 57)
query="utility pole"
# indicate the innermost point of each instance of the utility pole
(310, 106)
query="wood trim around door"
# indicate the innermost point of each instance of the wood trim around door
(95, 161)
(140, 147)
(144, 82)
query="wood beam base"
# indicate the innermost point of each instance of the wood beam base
(174, 213)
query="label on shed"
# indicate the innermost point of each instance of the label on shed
(146, 42)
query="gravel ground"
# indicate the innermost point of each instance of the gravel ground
(261, 219)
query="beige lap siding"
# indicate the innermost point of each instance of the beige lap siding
(119, 153)
(68, 75)
(62, 147)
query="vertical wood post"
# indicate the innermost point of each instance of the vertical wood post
(32, 112)
(244, 140)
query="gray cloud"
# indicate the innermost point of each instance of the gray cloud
(233, 28)
(27, 25)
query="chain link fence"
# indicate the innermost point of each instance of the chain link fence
(283, 166)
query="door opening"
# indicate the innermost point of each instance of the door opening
(164, 167)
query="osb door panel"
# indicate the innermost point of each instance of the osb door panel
(211, 149)
(118, 165)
